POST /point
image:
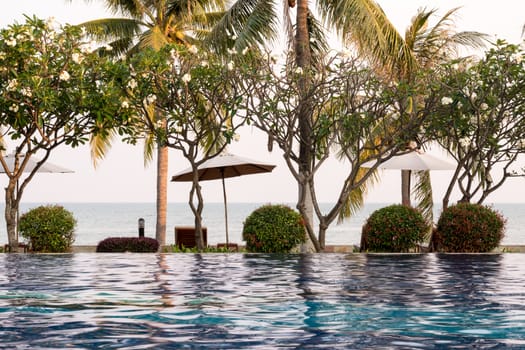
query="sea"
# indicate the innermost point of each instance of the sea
(97, 221)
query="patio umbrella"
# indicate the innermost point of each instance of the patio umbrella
(414, 160)
(223, 166)
(47, 167)
(31, 164)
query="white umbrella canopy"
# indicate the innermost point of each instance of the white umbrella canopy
(413, 161)
(31, 164)
(223, 166)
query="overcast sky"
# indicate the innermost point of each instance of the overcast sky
(122, 177)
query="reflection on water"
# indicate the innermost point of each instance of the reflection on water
(252, 301)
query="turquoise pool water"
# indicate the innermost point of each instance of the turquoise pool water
(243, 301)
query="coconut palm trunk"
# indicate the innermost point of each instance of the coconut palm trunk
(303, 59)
(162, 194)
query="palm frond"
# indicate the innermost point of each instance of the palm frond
(363, 23)
(356, 200)
(423, 195)
(153, 38)
(149, 148)
(109, 29)
(100, 144)
(250, 22)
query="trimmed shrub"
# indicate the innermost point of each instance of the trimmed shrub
(128, 244)
(48, 228)
(273, 229)
(469, 228)
(396, 228)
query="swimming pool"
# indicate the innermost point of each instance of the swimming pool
(253, 301)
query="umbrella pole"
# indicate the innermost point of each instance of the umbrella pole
(225, 207)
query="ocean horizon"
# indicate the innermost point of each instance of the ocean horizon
(97, 221)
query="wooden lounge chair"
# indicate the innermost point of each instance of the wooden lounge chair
(185, 236)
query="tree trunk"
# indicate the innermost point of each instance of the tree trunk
(11, 210)
(162, 193)
(303, 60)
(405, 187)
(197, 211)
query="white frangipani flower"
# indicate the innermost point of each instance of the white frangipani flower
(124, 104)
(446, 100)
(178, 129)
(465, 142)
(230, 65)
(12, 85)
(186, 78)
(193, 49)
(204, 63)
(13, 108)
(245, 50)
(232, 51)
(77, 58)
(132, 84)
(26, 92)
(64, 76)
(298, 70)
(484, 106)
(150, 99)
(11, 42)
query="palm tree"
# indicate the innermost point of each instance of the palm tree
(430, 46)
(358, 22)
(153, 24)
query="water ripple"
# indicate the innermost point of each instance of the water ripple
(258, 301)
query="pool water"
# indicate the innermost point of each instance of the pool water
(254, 301)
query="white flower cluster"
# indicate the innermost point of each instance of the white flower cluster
(193, 49)
(11, 42)
(12, 85)
(186, 78)
(132, 84)
(26, 92)
(230, 65)
(64, 76)
(13, 108)
(77, 58)
(446, 101)
(150, 99)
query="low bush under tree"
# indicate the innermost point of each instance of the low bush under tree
(273, 229)
(396, 228)
(48, 228)
(468, 228)
(128, 244)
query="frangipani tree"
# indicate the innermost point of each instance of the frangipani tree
(199, 95)
(351, 108)
(53, 90)
(482, 121)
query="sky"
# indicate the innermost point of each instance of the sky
(123, 177)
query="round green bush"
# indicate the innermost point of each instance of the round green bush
(273, 229)
(469, 228)
(48, 228)
(396, 228)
